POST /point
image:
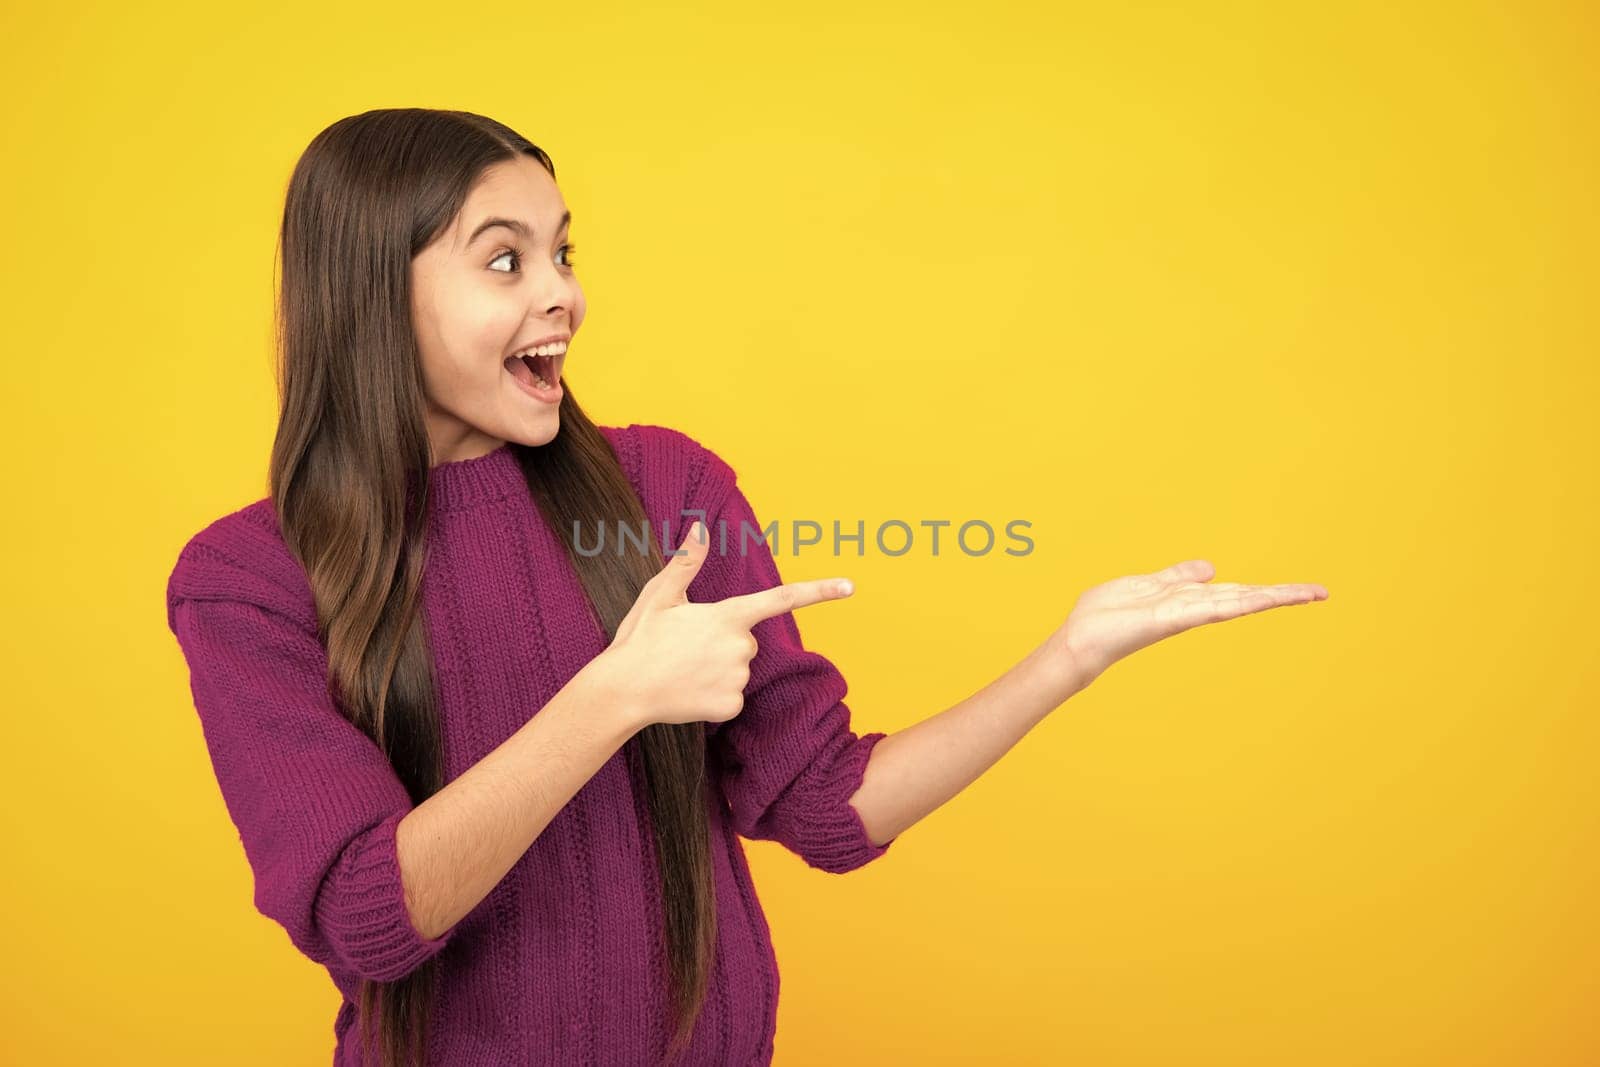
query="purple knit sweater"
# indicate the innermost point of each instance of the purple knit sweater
(563, 962)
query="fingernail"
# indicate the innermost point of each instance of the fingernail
(845, 586)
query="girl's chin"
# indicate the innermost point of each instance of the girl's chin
(536, 432)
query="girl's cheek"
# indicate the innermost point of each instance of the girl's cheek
(499, 323)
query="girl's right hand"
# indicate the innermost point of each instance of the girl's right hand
(676, 661)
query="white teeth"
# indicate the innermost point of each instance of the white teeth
(552, 349)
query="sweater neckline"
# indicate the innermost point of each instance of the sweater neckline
(462, 483)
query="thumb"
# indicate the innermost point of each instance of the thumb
(673, 579)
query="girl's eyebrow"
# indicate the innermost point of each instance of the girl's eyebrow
(516, 225)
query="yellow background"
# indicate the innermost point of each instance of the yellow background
(1306, 292)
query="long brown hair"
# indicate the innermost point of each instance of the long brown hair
(349, 477)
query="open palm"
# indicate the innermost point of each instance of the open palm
(1121, 616)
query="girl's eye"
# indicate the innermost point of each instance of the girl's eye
(516, 255)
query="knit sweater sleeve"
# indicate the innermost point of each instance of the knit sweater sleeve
(315, 801)
(789, 762)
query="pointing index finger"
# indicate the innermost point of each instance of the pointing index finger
(751, 608)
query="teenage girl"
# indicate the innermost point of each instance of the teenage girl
(490, 761)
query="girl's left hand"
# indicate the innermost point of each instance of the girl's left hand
(1124, 615)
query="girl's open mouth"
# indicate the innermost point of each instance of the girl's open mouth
(538, 376)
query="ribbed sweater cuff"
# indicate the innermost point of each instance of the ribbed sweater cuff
(362, 910)
(833, 838)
